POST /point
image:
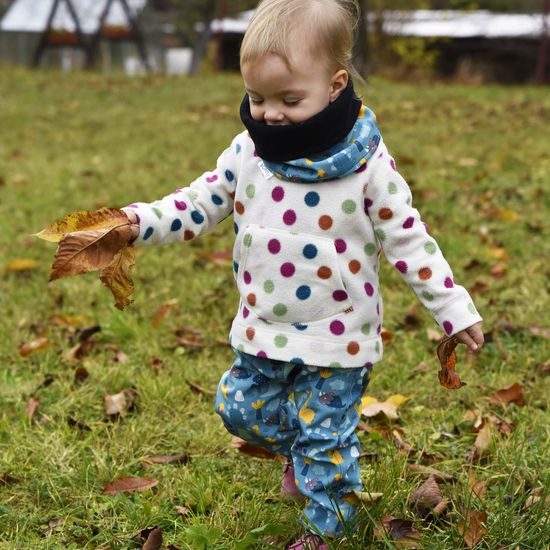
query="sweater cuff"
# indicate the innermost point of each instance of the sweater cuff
(457, 315)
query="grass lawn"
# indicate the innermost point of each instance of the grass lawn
(478, 162)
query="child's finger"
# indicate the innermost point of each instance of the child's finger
(466, 339)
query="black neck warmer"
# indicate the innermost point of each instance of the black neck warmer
(314, 135)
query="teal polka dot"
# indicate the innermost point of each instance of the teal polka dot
(370, 249)
(365, 329)
(349, 206)
(247, 239)
(280, 310)
(472, 309)
(250, 191)
(430, 248)
(269, 287)
(280, 340)
(392, 188)
(380, 234)
(427, 296)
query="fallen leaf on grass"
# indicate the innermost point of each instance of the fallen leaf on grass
(21, 264)
(35, 345)
(543, 368)
(199, 389)
(400, 531)
(446, 354)
(357, 497)
(472, 528)
(387, 336)
(481, 445)
(73, 423)
(503, 425)
(251, 450)
(510, 394)
(536, 496)
(119, 404)
(538, 331)
(421, 367)
(129, 484)
(189, 338)
(371, 407)
(427, 500)
(478, 487)
(428, 470)
(31, 407)
(153, 540)
(162, 311)
(183, 511)
(7, 479)
(94, 241)
(168, 459)
(80, 375)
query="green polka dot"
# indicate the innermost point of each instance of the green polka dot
(157, 212)
(380, 234)
(240, 347)
(335, 365)
(472, 309)
(377, 347)
(247, 240)
(250, 191)
(427, 296)
(280, 309)
(349, 206)
(365, 329)
(392, 188)
(193, 195)
(409, 201)
(269, 287)
(370, 249)
(430, 248)
(281, 341)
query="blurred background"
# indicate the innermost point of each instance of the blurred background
(474, 41)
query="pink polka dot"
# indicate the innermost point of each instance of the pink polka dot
(378, 329)
(369, 289)
(262, 354)
(288, 269)
(247, 277)
(368, 204)
(448, 327)
(180, 205)
(289, 217)
(274, 246)
(377, 309)
(426, 226)
(402, 266)
(340, 295)
(449, 283)
(361, 168)
(337, 328)
(409, 222)
(392, 163)
(340, 245)
(278, 194)
(246, 312)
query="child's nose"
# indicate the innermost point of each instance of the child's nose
(272, 114)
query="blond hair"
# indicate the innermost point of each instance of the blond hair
(279, 25)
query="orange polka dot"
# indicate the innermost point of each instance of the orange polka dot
(385, 213)
(324, 272)
(188, 235)
(250, 333)
(353, 348)
(239, 207)
(251, 299)
(325, 222)
(354, 266)
(425, 273)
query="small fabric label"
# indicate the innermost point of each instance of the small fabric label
(266, 172)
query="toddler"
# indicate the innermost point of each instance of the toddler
(315, 197)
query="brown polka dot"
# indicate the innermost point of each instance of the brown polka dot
(250, 333)
(188, 235)
(425, 273)
(354, 266)
(251, 299)
(324, 272)
(385, 213)
(239, 207)
(353, 348)
(325, 222)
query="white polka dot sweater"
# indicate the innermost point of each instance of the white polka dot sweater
(306, 255)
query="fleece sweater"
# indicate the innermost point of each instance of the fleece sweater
(306, 255)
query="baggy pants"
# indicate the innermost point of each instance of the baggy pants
(308, 414)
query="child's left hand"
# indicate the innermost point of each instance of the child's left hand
(472, 337)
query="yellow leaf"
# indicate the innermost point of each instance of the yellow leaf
(21, 264)
(498, 253)
(116, 276)
(397, 399)
(388, 409)
(83, 220)
(367, 400)
(508, 215)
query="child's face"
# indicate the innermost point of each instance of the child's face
(284, 94)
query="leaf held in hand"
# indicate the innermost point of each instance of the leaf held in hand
(446, 354)
(116, 276)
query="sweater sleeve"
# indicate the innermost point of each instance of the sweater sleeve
(411, 250)
(193, 210)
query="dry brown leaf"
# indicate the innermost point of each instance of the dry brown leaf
(31, 407)
(389, 410)
(446, 354)
(120, 403)
(387, 336)
(478, 487)
(473, 528)
(400, 531)
(116, 276)
(189, 338)
(481, 445)
(168, 459)
(21, 264)
(498, 271)
(510, 394)
(35, 345)
(538, 331)
(154, 540)
(428, 500)
(183, 511)
(421, 367)
(128, 484)
(259, 452)
(504, 425)
(543, 368)
(536, 496)
(80, 375)
(199, 389)
(162, 311)
(428, 470)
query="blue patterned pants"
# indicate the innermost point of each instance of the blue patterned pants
(308, 414)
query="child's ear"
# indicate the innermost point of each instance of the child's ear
(338, 83)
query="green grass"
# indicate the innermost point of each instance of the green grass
(478, 163)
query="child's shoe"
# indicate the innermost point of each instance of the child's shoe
(309, 541)
(288, 484)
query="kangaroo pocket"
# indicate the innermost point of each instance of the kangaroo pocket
(289, 277)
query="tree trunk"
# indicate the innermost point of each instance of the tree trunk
(361, 49)
(201, 45)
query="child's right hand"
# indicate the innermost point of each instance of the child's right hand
(131, 215)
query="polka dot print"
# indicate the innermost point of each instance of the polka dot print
(425, 273)
(349, 207)
(310, 251)
(289, 217)
(324, 272)
(288, 269)
(385, 214)
(278, 194)
(337, 328)
(176, 225)
(325, 222)
(239, 208)
(354, 266)
(312, 199)
(340, 246)
(274, 246)
(303, 292)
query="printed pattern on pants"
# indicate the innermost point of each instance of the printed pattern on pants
(308, 414)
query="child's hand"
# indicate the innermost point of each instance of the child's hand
(131, 215)
(472, 337)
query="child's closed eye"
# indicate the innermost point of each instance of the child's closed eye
(292, 102)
